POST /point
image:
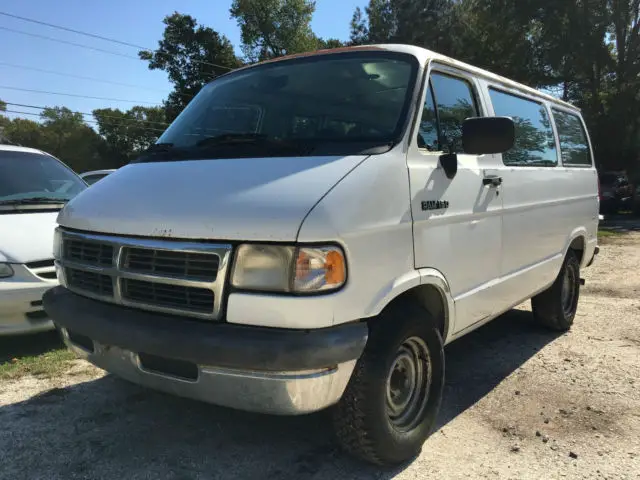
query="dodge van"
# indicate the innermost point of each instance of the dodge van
(34, 186)
(310, 232)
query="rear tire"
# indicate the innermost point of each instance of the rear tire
(391, 402)
(556, 307)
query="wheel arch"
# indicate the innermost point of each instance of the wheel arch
(430, 289)
(577, 242)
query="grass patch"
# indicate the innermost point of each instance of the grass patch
(47, 365)
(608, 233)
(42, 354)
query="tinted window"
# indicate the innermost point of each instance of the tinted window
(573, 139)
(428, 129)
(535, 143)
(91, 179)
(455, 102)
(26, 175)
(338, 99)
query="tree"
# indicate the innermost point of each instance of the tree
(330, 43)
(192, 55)
(128, 133)
(273, 28)
(426, 23)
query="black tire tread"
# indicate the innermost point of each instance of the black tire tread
(353, 431)
(546, 306)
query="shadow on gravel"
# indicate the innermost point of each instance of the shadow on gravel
(620, 223)
(108, 428)
(19, 346)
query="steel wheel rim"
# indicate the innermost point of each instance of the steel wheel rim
(568, 291)
(408, 384)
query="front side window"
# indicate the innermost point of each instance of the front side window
(321, 104)
(535, 143)
(35, 177)
(428, 134)
(573, 140)
(454, 103)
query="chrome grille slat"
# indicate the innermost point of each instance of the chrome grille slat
(160, 275)
(183, 264)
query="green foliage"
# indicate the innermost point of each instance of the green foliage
(584, 51)
(129, 133)
(192, 55)
(273, 28)
(63, 134)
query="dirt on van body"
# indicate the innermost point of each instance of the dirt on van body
(520, 403)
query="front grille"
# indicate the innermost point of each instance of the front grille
(171, 296)
(171, 263)
(88, 252)
(158, 275)
(89, 282)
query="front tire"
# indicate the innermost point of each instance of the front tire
(556, 307)
(390, 405)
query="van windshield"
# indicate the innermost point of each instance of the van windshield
(329, 104)
(35, 179)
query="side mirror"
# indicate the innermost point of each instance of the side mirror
(449, 163)
(487, 135)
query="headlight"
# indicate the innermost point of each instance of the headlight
(57, 244)
(5, 270)
(289, 269)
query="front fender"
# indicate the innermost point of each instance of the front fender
(411, 280)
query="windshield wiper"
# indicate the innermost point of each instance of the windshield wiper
(160, 147)
(253, 140)
(34, 201)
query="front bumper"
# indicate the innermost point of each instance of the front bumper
(267, 370)
(21, 307)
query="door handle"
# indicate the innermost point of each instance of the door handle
(492, 181)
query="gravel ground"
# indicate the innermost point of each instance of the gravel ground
(520, 403)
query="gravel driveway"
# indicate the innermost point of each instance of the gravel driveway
(520, 403)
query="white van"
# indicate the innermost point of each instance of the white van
(311, 231)
(34, 186)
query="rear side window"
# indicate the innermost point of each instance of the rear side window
(535, 144)
(450, 100)
(573, 140)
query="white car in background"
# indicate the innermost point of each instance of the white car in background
(34, 186)
(95, 175)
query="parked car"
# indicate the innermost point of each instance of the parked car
(635, 204)
(615, 192)
(95, 175)
(34, 186)
(365, 207)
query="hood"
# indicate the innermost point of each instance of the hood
(251, 199)
(26, 237)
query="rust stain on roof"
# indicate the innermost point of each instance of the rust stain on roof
(325, 51)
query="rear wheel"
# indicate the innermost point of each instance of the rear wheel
(390, 405)
(556, 307)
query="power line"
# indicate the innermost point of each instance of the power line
(96, 49)
(79, 32)
(71, 75)
(76, 95)
(93, 35)
(154, 130)
(26, 105)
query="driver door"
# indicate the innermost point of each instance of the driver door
(457, 221)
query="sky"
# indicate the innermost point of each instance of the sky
(133, 21)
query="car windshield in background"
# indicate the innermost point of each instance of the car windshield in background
(334, 104)
(34, 178)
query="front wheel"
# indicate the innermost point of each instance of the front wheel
(390, 405)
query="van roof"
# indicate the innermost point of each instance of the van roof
(16, 148)
(424, 55)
